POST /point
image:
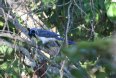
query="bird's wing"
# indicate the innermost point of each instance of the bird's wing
(46, 33)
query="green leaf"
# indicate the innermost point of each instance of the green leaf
(77, 74)
(1, 23)
(9, 50)
(111, 12)
(3, 48)
(72, 53)
(4, 66)
(101, 75)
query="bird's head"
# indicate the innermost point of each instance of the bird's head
(31, 32)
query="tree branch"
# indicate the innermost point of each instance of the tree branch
(22, 49)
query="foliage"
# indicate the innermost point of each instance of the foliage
(92, 24)
(93, 57)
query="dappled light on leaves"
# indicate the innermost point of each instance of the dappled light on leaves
(74, 39)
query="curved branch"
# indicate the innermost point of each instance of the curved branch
(22, 49)
(12, 36)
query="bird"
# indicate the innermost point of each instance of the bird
(45, 35)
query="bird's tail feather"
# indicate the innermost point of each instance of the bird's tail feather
(60, 38)
(69, 41)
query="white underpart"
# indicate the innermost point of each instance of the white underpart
(45, 40)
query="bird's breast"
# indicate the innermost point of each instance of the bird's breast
(45, 40)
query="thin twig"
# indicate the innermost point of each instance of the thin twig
(68, 24)
(62, 69)
(92, 30)
(92, 21)
(79, 7)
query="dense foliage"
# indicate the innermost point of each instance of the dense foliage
(90, 23)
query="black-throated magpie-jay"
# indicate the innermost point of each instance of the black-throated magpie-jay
(46, 35)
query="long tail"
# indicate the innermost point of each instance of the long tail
(69, 41)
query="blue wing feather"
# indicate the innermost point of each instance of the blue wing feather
(46, 33)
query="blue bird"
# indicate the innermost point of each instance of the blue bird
(45, 35)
